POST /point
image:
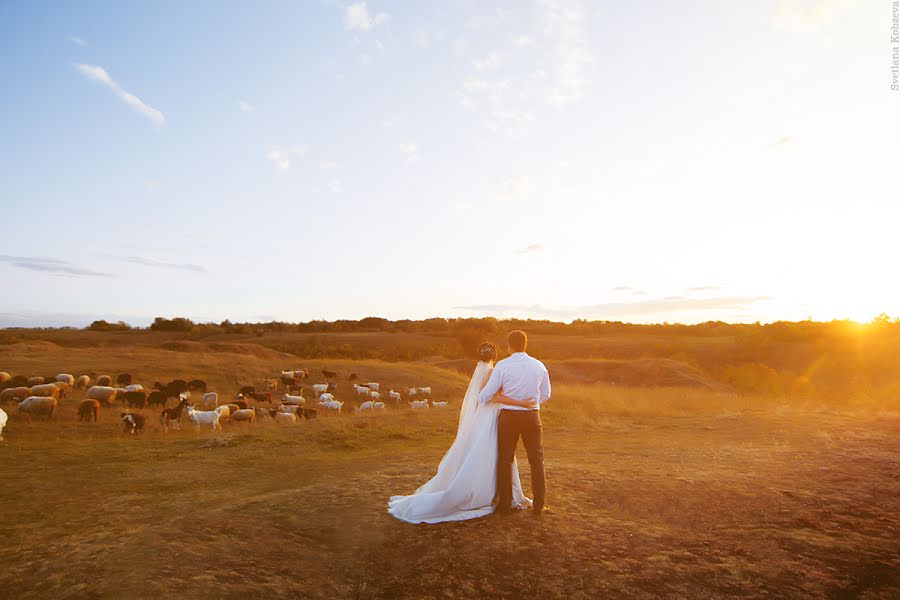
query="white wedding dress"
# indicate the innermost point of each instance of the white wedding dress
(464, 485)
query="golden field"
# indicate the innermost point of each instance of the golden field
(666, 483)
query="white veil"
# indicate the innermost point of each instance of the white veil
(470, 400)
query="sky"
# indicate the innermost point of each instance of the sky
(643, 161)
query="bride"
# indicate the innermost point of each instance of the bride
(464, 485)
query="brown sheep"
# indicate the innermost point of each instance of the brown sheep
(87, 409)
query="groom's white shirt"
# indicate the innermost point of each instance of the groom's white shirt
(520, 377)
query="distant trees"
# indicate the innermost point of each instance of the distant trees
(176, 324)
(101, 325)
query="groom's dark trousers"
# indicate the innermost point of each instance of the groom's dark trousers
(511, 424)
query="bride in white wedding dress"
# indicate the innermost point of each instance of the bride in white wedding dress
(464, 485)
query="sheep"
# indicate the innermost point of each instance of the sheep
(247, 415)
(224, 412)
(134, 387)
(33, 381)
(332, 405)
(134, 399)
(394, 396)
(375, 395)
(17, 381)
(438, 404)
(172, 416)
(367, 405)
(281, 417)
(203, 417)
(417, 404)
(67, 378)
(157, 397)
(16, 394)
(353, 377)
(262, 396)
(361, 390)
(87, 409)
(174, 388)
(372, 386)
(329, 374)
(102, 393)
(425, 391)
(196, 385)
(37, 405)
(378, 406)
(411, 392)
(120, 392)
(209, 401)
(326, 398)
(319, 388)
(124, 379)
(133, 422)
(271, 385)
(238, 405)
(45, 389)
(246, 390)
(3, 419)
(262, 413)
(104, 380)
(64, 388)
(332, 386)
(4, 376)
(288, 399)
(82, 382)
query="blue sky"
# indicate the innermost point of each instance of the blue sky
(643, 161)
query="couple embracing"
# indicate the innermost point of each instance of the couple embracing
(479, 475)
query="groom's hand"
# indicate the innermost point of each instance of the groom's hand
(530, 403)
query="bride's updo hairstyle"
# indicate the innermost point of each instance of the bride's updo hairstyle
(487, 352)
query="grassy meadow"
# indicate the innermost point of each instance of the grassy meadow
(666, 482)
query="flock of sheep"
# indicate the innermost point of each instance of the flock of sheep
(39, 396)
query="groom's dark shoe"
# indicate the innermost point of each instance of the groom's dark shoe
(502, 512)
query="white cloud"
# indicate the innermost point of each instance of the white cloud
(356, 16)
(100, 75)
(491, 61)
(246, 106)
(77, 40)
(283, 157)
(563, 23)
(410, 150)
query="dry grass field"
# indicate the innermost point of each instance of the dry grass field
(675, 491)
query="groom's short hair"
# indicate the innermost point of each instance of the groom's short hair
(517, 340)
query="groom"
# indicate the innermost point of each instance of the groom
(523, 385)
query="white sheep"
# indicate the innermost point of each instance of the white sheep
(323, 398)
(332, 405)
(134, 387)
(438, 404)
(425, 391)
(289, 408)
(209, 401)
(204, 417)
(281, 417)
(372, 386)
(411, 392)
(66, 377)
(224, 412)
(418, 404)
(375, 395)
(3, 419)
(102, 393)
(378, 406)
(319, 388)
(361, 390)
(394, 395)
(246, 415)
(16, 394)
(45, 389)
(82, 382)
(37, 405)
(367, 405)
(297, 400)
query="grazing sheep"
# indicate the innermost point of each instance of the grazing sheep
(3, 419)
(33, 381)
(87, 409)
(134, 387)
(134, 399)
(394, 396)
(37, 405)
(425, 391)
(203, 417)
(102, 393)
(411, 392)
(67, 378)
(372, 386)
(172, 416)
(4, 376)
(133, 422)
(375, 395)
(18, 381)
(82, 382)
(288, 399)
(319, 388)
(379, 406)
(271, 385)
(262, 413)
(45, 389)
(281, 417)
(246, 390)
(64, 389)
(438, 404)
(367, 405)
(246, 415)
(418, 404)
(157, 397)
(361, 390)
(289, 408)
(329, 374)
(196, 385)
(124, 379)
(16, 394)
(104, 380)
(209, 401)
(262, 396)
(224, 412)
(240, 404)
(120, 392)
(332, 405)
(326, 397)
(353, 377)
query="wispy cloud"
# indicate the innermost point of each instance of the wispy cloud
(410, 150)
(779, 144)
(283, 157)
(705, 288)
(530, 248)
(77, 40)
(644, 309)
(246, 106)
(356, 17)
(100, 75)
(564, 23)
(54, 266)
(152, 262)
(630, 290)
